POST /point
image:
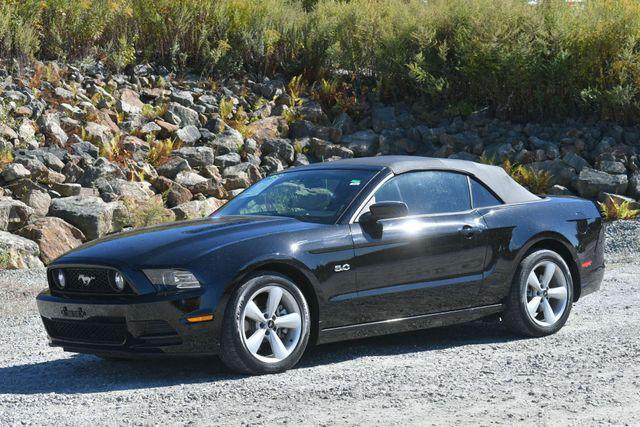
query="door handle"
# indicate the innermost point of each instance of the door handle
(468, 231)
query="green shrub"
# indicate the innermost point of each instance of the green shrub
(19, 29)
(5, 259)
(617, 209)
(522, 60)
(146, 213)
(536, 181)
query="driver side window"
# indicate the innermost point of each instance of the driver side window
(429, 192)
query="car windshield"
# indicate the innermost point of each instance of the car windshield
(319, 195)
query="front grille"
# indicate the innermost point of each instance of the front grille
(98, 331)
(87, 280)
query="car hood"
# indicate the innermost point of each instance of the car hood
(179, 243)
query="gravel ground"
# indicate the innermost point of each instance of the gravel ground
(588, 373)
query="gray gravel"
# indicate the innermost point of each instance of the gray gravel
(622, 243)
(588, 373)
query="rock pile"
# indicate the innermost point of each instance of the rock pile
(85, 153)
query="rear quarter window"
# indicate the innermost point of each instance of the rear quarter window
(481, 195)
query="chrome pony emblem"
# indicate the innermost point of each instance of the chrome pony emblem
(86, 280)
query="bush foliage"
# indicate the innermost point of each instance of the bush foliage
(613, 209)
(522, 59)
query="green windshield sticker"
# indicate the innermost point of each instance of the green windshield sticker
(355, 182)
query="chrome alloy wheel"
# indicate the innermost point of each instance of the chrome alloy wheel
(271, 324)
(546, 294)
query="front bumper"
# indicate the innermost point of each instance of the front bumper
(591, 280)
(148, 326)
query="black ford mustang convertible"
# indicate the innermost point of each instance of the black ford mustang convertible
(330, 252)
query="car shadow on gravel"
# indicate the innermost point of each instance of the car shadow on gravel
(474, 333)
(89, 374)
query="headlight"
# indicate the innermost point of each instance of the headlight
(179, 279)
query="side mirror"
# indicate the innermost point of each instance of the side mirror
(385, 210)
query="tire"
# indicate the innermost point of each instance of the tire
(279, 344)
(541, 295)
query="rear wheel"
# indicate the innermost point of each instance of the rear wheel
(541, 295)
(266, 326)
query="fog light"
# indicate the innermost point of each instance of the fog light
(119, 281)
(61, 279)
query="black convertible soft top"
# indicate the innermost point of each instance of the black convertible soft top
(493, 177)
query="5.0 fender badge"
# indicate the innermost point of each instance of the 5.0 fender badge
(341, 268)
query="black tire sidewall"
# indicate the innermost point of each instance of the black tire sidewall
(525, 269)
(236, 308)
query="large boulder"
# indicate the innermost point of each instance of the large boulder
(197, 208)
(612, 167)
(189, 179)
(185, 115)
(50, 126)
(344, 123)
(243, 169)
(38, 200)
(464, 141)
(384, 118)
(98, 133)
(560, 173)
(280, 147)
(183, 97)
(197, 157)
(173, 167)
(102, 168)
(7, 133)
(27, 134)
(188, 135)
(227, 160)
(67, 189)
(499, 152)
(177, 195)
(92, 215)
(271, 127)
(575, 161)
(15, 171)
(324, 150)
(85, 149)
(18, 252)
(14, 214)
(53, 236)
(592, 182)
(228, 141)
(113, 189)
(363, 144)
(312, 110)
(21, 187)
(129, 102)
(634, 186)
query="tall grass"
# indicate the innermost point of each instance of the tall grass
(522, 60)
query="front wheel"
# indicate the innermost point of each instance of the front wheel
(541, 295)
(266, 326)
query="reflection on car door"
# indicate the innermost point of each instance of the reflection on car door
(431, 261)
